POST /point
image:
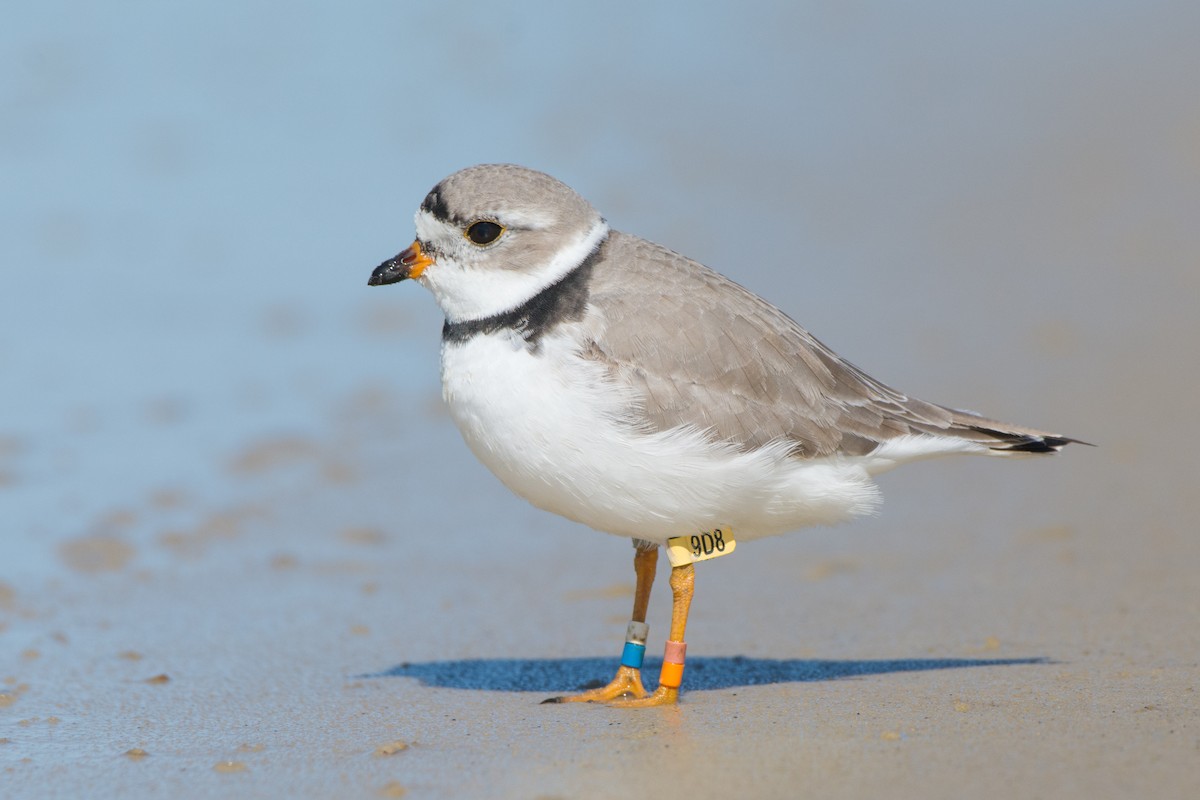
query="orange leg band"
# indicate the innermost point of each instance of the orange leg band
(672, 668)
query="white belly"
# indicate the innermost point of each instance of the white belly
(556, 431)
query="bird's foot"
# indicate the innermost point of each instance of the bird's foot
(662, 696)
(626, 686)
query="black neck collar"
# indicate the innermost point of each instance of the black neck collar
(565, 300)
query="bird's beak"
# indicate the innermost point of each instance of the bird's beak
(408, 264)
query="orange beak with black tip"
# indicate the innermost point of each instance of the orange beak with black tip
(408, 264)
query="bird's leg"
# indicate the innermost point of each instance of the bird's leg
(628, 681)
(683, 583)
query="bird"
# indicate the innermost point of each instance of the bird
(619, 384)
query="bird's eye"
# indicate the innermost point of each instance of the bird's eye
(484, 231)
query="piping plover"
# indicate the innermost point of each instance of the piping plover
(624, 386)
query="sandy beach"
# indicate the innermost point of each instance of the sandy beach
(245, 553)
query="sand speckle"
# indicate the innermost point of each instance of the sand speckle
(95, 554)
(165, 410)
(391, 748)
(223, 525)
(339, 473)
(10, 446)
(990, 645)
(363, 536)
(827, 569)
(246, 747)
(283, 561)
(164, 499)
(961, 707)
(272, 454)
(116, 519)
(1050, 533)
(890, 736)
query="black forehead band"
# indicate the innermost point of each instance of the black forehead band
(435, 204)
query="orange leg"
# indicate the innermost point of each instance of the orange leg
(683, 586)
(628, 681)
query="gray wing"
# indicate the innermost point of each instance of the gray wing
(700, 350)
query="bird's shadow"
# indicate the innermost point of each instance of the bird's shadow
(719, 672)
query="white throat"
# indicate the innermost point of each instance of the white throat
(469, 294)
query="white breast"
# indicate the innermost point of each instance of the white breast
(556, 430)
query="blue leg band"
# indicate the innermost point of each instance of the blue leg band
(633, 654)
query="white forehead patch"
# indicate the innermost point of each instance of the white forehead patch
(428, 226)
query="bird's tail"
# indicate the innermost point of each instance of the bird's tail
(1003, 439)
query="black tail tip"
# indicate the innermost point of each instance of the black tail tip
(1040, 444)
